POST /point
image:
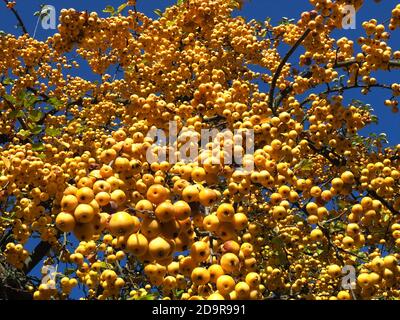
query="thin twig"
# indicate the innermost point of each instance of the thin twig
(16, 14)
(280, 68)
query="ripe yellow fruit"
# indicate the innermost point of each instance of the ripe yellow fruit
(200, 251)
(318, 195)
(190, 193)
(279, 212)
(198, 174)
(118, 196)
(182, 210)
(84, 231)
(103, 198)
(144, 208)
(231, 246)
(157, 193)
(159, 248)
(390, 262)
(65, 222)
(150, 228)
(69, 203)
(101, 186)
(337, 183)
(215, 296)
(84, 213)
(207, 197)
(240, 221)
(200, 276)
(137, 244)
(211, 223)
(225, 284)
(215, 272)
(364, 280)
(344, 295)
(122, 223)
(347, 177)
(229, 262)
(334, 270)
(225, 212)
(242, 290)
(85, 195)
(165, 211)
(316, 235)
(253, 279)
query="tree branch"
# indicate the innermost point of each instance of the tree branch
(16, 14)
(280, 68)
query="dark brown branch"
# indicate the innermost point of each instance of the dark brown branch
(343, 64)
(37, 255)
(280, 68)
(20, 21)
(308, 74)
(19, 119)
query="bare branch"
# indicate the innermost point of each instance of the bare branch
(280, 68)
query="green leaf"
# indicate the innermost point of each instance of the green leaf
(386, 217)
(38, 147)
(10, 98)
(16, 114)
(36, 129)
(158, 12)
(121, 7)
(69, 271)
(110, 10)
(80, 129)
(29, 100)
(55, 103)
(171, 23)
(374, 119)
(179, 2)
(42, 155)
(147, 297)
(178, 293)
(24, 133)
(235, 4)
(35, 115)
(6, 219)
(53, 132)
(21, 97)
(8, 81)
(305, 165)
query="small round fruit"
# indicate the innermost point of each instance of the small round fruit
(229, 262)
(225, 212)
(159, 248)
(225, 284)
(137, 244)
(84, 213)
(85, 195)
(65, 222)
(182, 210)
(122, 223)
(200, 276)
(157, 194)
(69, 203)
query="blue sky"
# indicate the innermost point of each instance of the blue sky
(257, 9)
